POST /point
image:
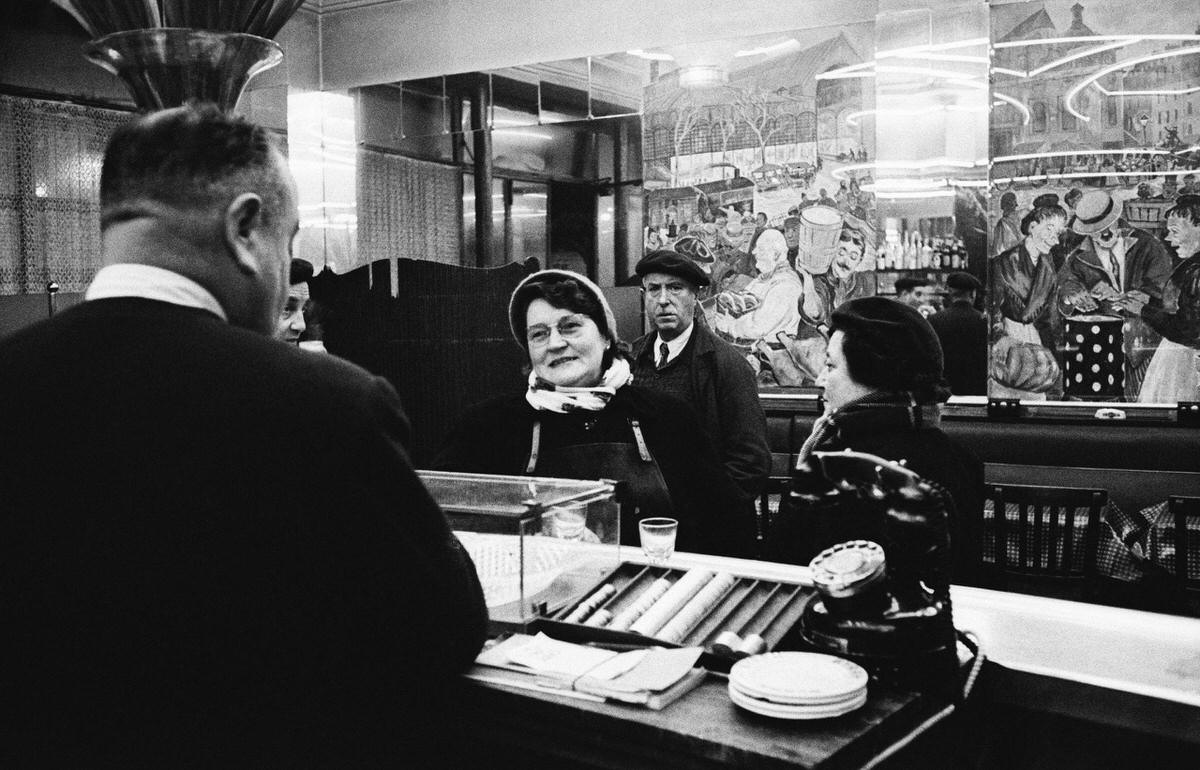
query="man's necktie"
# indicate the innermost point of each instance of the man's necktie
(1116, 269)
(663, 352)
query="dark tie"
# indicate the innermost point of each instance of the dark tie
(1116, 269)
(663, 352)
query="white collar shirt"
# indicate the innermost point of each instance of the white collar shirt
(675, 346)
(156, 283)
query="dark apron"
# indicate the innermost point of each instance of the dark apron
(645, 489)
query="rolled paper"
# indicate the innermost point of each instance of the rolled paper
(696, 608)
(645, 601)
(598, 618)
(665, 608)
(753, 644)
(589, 605)
(726, 643)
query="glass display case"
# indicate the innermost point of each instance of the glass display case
(533, 540)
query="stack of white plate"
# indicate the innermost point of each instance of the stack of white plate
(797, 685)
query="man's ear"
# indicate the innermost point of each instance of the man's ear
(242, 218)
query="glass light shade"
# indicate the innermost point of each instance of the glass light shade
(169, 66)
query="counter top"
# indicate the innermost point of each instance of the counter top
(1108, 665)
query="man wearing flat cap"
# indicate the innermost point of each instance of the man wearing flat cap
(1113, 260)
(962, 330)
(683, 357)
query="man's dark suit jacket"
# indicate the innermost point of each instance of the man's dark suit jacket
(962, 330)
(214, 552)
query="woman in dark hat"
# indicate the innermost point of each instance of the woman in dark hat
(1023, 307)
(883, 393)
(579, 417)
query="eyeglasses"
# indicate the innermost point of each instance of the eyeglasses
(674, 289)
(569, 327)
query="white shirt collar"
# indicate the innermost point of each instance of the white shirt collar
(675, 346)
(149, 282)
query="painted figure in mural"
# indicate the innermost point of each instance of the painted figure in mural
(770, 303)
(1069, 240)
(1114, 259)
(1007, 232)
(695, 250)
(842, 282)
(1173, 375)
(1023, 309)
(687, 360)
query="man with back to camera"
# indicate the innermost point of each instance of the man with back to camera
(962, 330)
(684, 358)
(175, 594)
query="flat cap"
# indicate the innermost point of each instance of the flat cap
(672, 263)
(963, 282)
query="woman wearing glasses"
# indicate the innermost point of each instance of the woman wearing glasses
(579, 417)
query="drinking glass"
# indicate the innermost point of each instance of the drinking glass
(658, 539)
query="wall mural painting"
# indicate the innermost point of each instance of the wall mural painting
(754, 167)
(1094, 250)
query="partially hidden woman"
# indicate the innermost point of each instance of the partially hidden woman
(579, 417)
(884, 388)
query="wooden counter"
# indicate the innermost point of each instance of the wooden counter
(1108, 666)
(703, 729)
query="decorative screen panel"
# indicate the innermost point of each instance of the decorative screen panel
(50, 158)
(407, 208)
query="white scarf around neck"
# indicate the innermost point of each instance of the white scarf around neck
(547, 397)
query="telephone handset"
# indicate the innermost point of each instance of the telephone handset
(877, 538)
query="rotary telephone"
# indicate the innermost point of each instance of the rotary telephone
(877, 539)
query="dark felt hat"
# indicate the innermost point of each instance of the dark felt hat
(300, 271)
(672, 263)
(963, 282)
(1045, 199)
(891, 346)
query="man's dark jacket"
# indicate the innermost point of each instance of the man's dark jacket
(214, 552)
(962, 330)
(725, 395)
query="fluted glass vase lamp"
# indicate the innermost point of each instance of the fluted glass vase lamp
(170, 52)
(169, 66)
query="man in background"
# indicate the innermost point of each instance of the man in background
(176, 592)
(915, 293)
(291, 321)
(962, 330)
(685, 358)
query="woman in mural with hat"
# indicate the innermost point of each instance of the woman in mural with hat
(1114, 259)
(1023, 308)
(580, 417)
(1173, 375)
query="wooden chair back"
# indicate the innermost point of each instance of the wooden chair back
(1051, 534)
(1186, 533)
